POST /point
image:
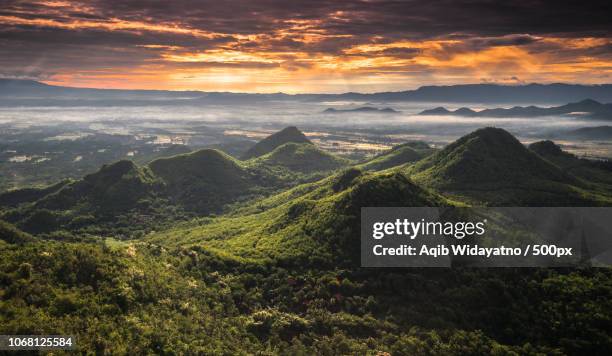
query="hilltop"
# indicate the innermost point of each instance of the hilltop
(115, 187)
(115, 191)
(204, 180)
(268, 144)
(549, 149)
(493, 166)
(585, 108)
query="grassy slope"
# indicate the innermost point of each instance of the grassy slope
(302, 157)
(588, 171)
(303, 225)
(398, 155)
(313, 228)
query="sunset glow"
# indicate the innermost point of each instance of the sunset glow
(299, 47)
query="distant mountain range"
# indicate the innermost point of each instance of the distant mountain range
(585, 108)
(590, 133)
(29, 92)
(363, 109)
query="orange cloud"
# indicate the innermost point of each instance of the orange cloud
(296, 55)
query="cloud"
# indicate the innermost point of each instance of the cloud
(436, 40)
(507, 40)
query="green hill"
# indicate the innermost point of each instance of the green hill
(268, 144)
(305, 225)
(587, 170)
(302, 157)
(97, 200)
(492, 166)
(203, 180)
(398, 155)
(115, 187)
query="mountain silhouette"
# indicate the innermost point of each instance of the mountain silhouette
(588, 108)
(590, 133)
(28, 93)
(547, 149)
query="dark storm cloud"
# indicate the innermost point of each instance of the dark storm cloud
(510, 40)
(426, 19)
(91, 37)
(421, 19)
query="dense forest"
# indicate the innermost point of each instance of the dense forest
(206, 253)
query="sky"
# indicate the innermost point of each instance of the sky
(304, 46)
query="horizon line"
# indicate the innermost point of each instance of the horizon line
(47, 83)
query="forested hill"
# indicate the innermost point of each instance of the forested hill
(279, 272)
(122, 197)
